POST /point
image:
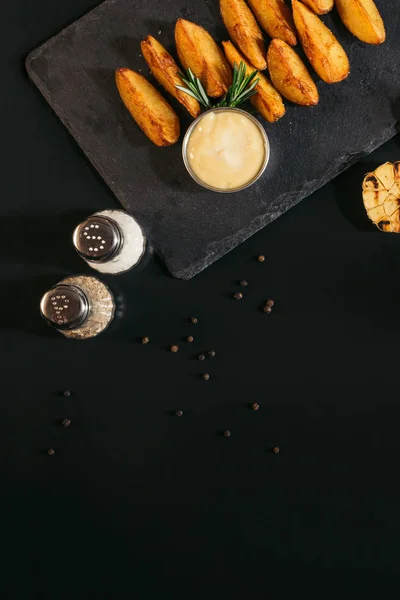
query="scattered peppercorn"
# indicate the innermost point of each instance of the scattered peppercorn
(189, 338)
(201, 357)
(243, 283)
(238, 296)
(267, 309)
(270, 303)
(179, 413)
(67, 393)
(206, 376)
(174, 348)
(51, 452)
(261, 258)
(227, 433)
(255, 406)
(145, 340)
(66, 422)
(193, 320)
(275, 450)
(211, 353)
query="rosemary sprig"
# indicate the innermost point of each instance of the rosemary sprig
(194, 88)
(241, 89)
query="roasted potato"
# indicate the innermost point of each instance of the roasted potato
(244, 31)
(199, 52)
(166, 71)
(320, 45)
(276, 18)
(320, 6)
(362, 18)
(267, 101)
(289, 74)
(150, 110)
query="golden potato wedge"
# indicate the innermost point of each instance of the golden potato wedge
(166, 71)
(244, 31)
(322, 49)
(363, 19)
(320, 7)
(276, 18)
(267, 101)
(290, 75)
(150, 110)
(199, 52)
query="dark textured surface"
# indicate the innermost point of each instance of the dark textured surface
(139, 504)
(189, 226)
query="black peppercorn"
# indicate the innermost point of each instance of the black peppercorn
(51, 452)
(227, 433)
(201, 357)
(66, 422)
(261, 258)
(145, 340)
(67, 393)
(243, 283)
(255, 406)
(174, 348)
(275, 450)
(267, 309)
(211, 353)
(238, 296)
(206, 376)
(179, 413)
(189, 338)
(193, 320)
(270, 303)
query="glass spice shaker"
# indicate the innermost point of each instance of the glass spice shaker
(80, 307)
(110, 241)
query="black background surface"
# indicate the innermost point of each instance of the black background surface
(137, 503)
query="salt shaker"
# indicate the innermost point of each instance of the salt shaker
(80, 307)
(110, 241)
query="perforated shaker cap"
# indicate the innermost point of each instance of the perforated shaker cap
(98, 239)
(65, 307)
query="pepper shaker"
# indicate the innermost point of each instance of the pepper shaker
(79, 307)
(110, 241)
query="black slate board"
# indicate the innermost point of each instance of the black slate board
(189, 226)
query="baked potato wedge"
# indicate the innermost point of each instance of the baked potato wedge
(151, 111)
(363, 19)
(276, 18)
(268, 102)
(320, 7)
(244, 31)
(199, 52)
(290, 75)
(322, 49)
(166, 71)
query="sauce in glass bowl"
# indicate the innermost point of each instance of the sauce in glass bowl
(226, 150)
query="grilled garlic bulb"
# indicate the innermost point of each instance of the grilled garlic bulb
(381, 195)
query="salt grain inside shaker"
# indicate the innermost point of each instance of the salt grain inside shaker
(80, 307)
(110, 241)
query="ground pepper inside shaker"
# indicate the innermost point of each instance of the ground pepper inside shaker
(80, 307)
(110, 241)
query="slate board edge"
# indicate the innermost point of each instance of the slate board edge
(237, 238)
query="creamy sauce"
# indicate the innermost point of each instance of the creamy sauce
(226, 149)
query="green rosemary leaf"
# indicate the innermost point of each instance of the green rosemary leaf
(194, 88)
(241, 89)
(187, 91)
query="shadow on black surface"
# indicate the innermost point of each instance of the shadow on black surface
(41, 240)
(21, 305)
(348, 196)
